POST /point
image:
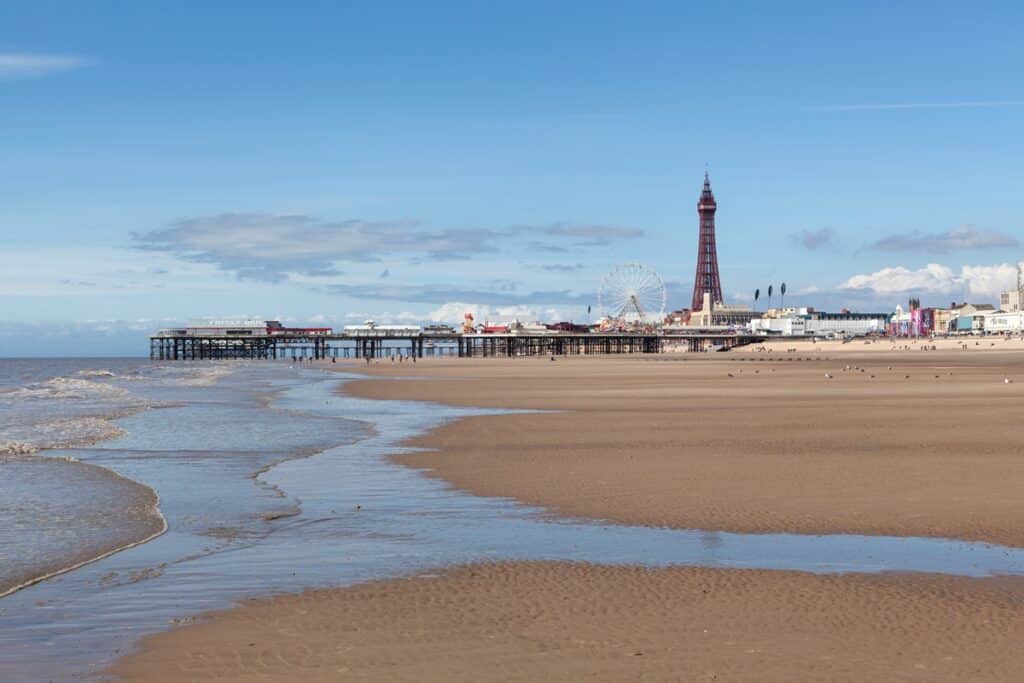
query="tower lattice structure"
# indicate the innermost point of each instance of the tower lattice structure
(706, 279)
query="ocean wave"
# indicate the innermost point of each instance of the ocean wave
(96, 373)
(65, 388)
(64, 412)
(72, 432)
(78, 410)
(17, 448)
(182, 374)
(203, 377)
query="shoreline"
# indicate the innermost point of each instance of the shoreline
(106, 552)
(89, 616)
(46, 577)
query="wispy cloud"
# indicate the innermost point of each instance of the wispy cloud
(964, 237)
(270, 247)
(814, 239)
(498, 293)
(561, 267)
(26, 65)
(267, 247)
(593, 235)
(546, 248)
(977, 104)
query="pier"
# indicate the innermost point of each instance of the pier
(180, 345)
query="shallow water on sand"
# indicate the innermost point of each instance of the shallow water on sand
(57, 512)
(343, 515)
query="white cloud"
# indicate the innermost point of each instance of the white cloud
(989, 280)
(24, 65)
(934, 278)
(931, 278)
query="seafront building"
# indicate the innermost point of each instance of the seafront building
(718, 314)
(969, 318)
(807, 322)
(1013, 300)
(1004, 322)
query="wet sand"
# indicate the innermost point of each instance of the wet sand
(751, 442)
(568, 622)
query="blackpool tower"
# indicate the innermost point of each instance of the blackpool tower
(707, 254)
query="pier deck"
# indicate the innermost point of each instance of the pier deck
(213, 347)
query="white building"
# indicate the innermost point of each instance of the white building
(806, 322)
(372, 329)
(1013, 300)
(227, 328)
(1004, 322)
(531, 329)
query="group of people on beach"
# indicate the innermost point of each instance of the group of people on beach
(401, 358)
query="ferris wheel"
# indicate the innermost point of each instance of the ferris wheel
(632, 293)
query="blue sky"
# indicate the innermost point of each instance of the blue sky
(332, 161)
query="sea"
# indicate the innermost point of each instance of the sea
(136, 495)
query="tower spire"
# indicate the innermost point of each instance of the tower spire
(706, 280)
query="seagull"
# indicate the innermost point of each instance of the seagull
(730, 374)
(1007, 380)
(828, 376)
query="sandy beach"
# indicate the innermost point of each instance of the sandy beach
(752, 442)
(905, 443)
(570, 622)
